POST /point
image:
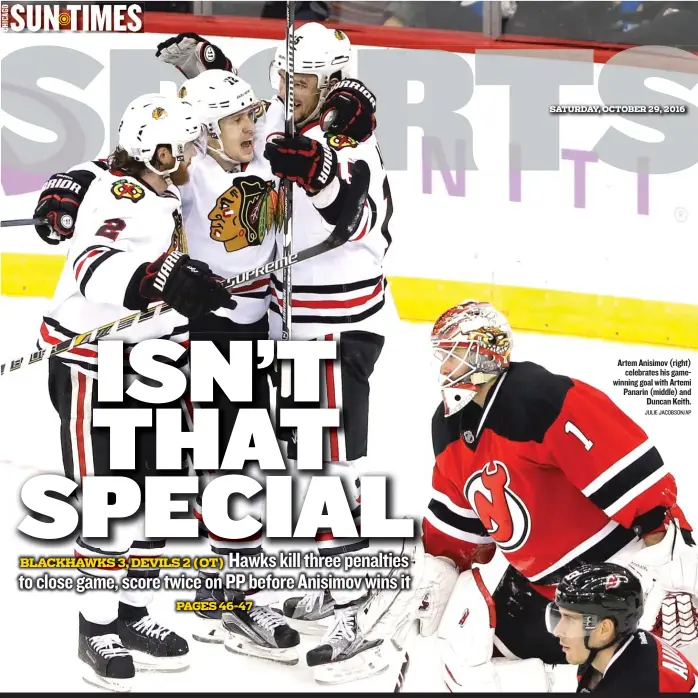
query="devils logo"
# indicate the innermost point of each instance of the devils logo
(503, 514)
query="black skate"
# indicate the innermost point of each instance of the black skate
(105, 661)
(261, 632)
(345, 655)
(209, 626)
(310, 614)
(154, 647)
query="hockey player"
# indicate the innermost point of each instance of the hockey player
(232, 211)
(595, 616)
(551, 472)
(340, 295)
(128, 251)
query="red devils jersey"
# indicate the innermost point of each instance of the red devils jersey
(643, 665)
(551, 471)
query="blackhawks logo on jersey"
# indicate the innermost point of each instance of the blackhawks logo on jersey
(123, 189)
(502, 512)
(338, 142)
(245, 213)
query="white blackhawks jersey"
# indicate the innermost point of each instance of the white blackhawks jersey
(231, 220)
(343, 289)
(122, 224)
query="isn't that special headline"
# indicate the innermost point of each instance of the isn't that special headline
(105, 499)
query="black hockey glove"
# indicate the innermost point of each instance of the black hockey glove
(349, 110)
(59, 202)
(191, 54)
(310, 164)
(186, 284)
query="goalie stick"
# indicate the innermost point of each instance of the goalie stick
(347, 225)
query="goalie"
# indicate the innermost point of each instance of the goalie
(552, 473)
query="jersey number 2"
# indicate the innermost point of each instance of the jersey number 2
(111, 228)
(574, 429)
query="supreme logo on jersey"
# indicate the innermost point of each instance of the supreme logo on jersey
(503, 514)
(123, 189)
(338, 142)
(245, 213)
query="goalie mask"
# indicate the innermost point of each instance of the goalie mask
(472, 343)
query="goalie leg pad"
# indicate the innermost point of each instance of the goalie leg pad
(499, 676)
(466, 631)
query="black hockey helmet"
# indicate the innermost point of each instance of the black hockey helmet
(598, 591)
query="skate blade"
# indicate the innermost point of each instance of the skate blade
(209, 631)
(287, 655)
(309, 627)
(114, 685)
(354, 669)
(146, 662)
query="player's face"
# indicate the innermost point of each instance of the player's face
(305, 94)
(570, 632)
(453, 366)
(237, 134)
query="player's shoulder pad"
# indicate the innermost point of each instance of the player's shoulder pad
(444, 430)
(528, 403)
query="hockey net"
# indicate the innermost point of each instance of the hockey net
(677, 620)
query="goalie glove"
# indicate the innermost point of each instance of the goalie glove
(191, 54)
(668, 572)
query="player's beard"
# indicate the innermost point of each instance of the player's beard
(180, 176)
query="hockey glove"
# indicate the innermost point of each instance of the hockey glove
(186, 284)
(59, 202)
(349, 110)
(191, 54)
(310, 164)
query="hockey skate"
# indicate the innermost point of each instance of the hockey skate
(310, 614)
(261, 632)
(209, 626)
(153, 647)
(345, 655)
(105, 662)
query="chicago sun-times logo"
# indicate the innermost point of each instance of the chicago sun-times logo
(40, 17)
(502, 512)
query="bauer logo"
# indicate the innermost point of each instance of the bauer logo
(17, 17)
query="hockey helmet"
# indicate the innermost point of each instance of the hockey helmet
(472, 342)
(599, 591)
(319, 51)
(152, 120)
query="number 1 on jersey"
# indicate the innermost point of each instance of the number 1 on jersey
(574, 429)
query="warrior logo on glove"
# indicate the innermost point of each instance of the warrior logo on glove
(245, 213)
(503, 514)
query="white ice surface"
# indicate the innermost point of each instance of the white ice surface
(38, 641)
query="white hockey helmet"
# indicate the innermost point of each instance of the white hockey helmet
(318, 51)
(152, 120)
(472, 342)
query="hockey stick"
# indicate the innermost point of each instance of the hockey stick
(347, 225)
(290, 130)
(22, 221)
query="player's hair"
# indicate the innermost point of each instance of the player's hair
(121, 160)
